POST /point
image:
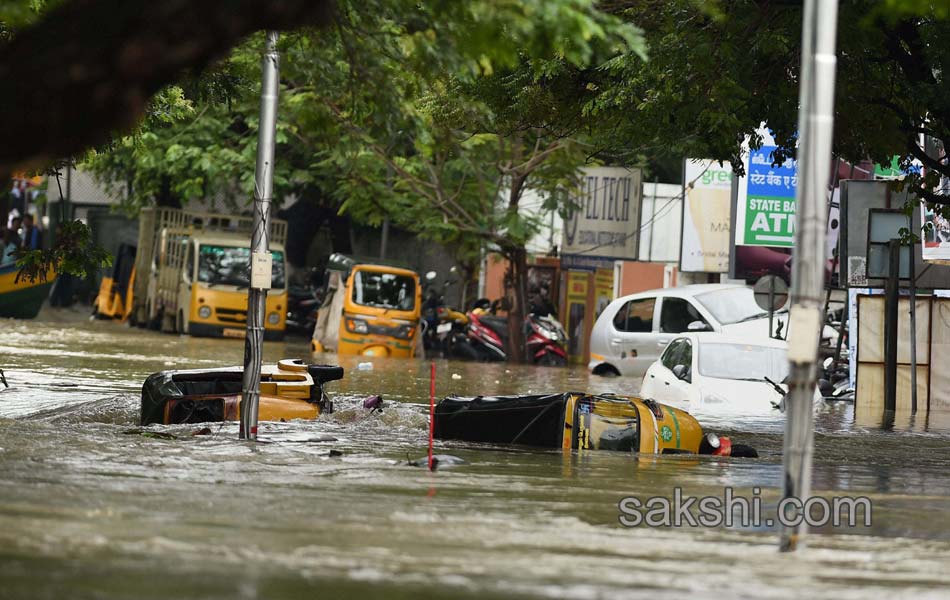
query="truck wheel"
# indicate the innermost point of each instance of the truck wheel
(153, 323)
(168, 323)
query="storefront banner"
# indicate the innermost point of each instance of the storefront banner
(707, 189)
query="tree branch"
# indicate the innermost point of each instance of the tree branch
(89, 68)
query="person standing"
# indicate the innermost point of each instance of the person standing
(32, 237)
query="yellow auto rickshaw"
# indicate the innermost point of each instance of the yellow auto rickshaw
(369, 309)
(114, 300)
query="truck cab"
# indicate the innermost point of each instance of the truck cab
(193, 274)
(212, 296)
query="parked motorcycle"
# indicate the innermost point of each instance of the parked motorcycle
(435, 323)
(545, 338)
(302, 304)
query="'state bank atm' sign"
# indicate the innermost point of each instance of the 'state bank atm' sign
(606, 215)
(765, 206)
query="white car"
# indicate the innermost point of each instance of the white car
(717, 373)
(632, 331)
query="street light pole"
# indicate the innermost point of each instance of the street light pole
(815, 128)
(260, 252)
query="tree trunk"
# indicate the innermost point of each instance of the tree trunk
(518, 277)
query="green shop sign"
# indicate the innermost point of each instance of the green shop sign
(766, 204)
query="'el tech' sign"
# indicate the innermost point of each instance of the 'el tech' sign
(765, 209)
(606, 216)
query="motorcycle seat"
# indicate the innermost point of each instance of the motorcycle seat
(497, 324)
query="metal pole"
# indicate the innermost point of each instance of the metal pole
(815, 126)
(260, 253)
(771, 304)
(384, 238)
(891, 301)
(913, 331)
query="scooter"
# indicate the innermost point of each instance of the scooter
(437, 318)
(487, 333)
(544, 336)
(546, 340)
(302, 304)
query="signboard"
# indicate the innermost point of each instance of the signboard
(934, 236)
(765, 208)
(603, 289)
(577, 287)
(707, 189)
(661, 222)
(770, 293)
(605, 219)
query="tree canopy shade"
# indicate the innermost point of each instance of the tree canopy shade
(715, 74)
(88, 68)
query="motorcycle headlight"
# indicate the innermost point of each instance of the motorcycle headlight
(549, 333)
(273, 318)
(204, 312)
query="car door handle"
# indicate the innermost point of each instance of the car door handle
(666, 383)
(652, 376)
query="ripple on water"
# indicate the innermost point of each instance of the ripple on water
(90, 505)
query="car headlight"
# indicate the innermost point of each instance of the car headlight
(357, 326)
(273, 318)
(204, 312)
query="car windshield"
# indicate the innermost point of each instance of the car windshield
(384, 290)
(731, 305)
(742, 361)
(229, 265)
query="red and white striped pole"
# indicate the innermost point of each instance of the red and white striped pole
(431, 409)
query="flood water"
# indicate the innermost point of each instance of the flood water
(91, 508)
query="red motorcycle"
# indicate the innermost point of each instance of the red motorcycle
(488, 336)
(546, 340)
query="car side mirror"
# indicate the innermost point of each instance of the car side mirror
(698, 326)
(681, 372)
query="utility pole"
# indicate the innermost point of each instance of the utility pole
(260, 251)
(891, 302)
(815, 128)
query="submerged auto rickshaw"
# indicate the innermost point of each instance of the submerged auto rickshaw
(114, 300)
(579, 421)
(369, 309)
(291, 389)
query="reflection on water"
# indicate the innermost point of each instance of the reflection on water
(90, 508)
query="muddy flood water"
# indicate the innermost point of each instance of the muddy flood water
(91, 508)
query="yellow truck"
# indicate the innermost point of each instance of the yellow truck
(192, 274)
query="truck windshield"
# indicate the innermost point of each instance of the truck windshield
(229, 265)
(384, 290)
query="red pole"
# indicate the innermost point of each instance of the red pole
(431, 409)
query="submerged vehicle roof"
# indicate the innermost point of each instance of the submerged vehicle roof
(345, 262)
(231, 240)
(714, 337)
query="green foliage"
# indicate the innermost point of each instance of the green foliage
(418, 113)
(74, 253)
(16, 14)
